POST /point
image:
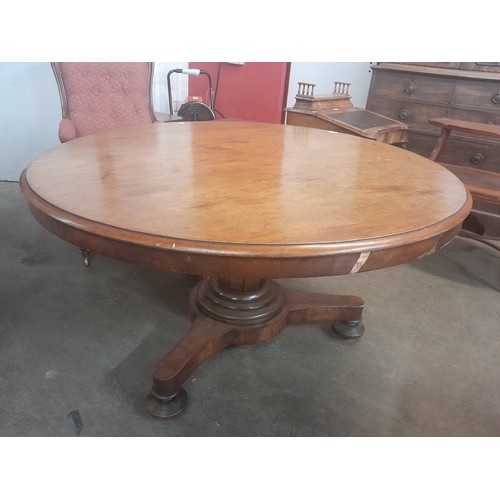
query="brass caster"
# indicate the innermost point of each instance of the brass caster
(86, 257)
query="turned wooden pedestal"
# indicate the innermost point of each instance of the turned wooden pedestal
(234, 312)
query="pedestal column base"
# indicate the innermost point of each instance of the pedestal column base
(237, 312)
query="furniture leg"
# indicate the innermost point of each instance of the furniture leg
(443, 136)
(237, 312)
(344, 310)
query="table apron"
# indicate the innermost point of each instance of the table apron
(191, 262)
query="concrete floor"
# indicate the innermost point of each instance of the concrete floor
(77, 347)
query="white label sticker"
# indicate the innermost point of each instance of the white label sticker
(360, 262)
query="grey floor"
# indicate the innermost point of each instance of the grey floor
(77, 347)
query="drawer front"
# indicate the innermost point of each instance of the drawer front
(412, 86)
(472, 115)
(477, 94)
(412, 113)
(467, 151)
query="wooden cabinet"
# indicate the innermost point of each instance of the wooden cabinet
(417, 92)
(414, 93)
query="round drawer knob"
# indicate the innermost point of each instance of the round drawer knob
(496, 99)
(404, 114)
(477, 158)
(410, 88)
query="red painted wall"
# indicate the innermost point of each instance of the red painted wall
(256, 91)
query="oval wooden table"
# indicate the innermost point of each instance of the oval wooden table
(240, 204)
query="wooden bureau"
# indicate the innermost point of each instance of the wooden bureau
(415, 93)
(336, 113)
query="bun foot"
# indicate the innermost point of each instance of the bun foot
(166, 407)
(348, 329)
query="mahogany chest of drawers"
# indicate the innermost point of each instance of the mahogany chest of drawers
(416, 92)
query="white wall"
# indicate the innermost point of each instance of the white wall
(323, 74)
(30, 109)
(178, 84)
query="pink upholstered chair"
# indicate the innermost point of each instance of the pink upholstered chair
(99, 96)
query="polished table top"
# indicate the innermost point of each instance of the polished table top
(232, 189)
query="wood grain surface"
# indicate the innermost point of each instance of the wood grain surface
(244, 190)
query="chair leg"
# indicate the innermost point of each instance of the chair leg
(445, 133)
(465, 234)
(86, 256)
